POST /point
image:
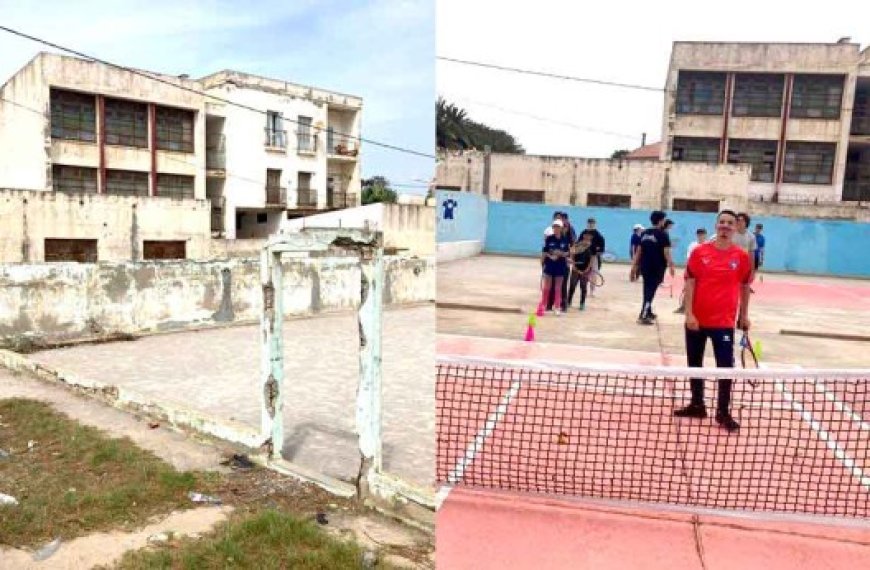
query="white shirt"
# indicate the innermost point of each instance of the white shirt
(745, 241)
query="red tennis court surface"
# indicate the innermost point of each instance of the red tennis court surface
(803, 448)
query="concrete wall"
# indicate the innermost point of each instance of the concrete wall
(120, 223)
(569, 180)
(51, 302)
(464, 235)
(828, 247)
(405, 226)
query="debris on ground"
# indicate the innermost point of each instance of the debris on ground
(158, 538)
(321, 518)
(47, 551)
(200, 498)
(238, 461)
(369, 559)
(30, 445)
(4, 454)
(8, 500)
(153, 425)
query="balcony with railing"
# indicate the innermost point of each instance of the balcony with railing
(341, 200)
(854, 191)
(306, 197)
(306, 143)
(275, 139)
(276, 196)
(340, 146)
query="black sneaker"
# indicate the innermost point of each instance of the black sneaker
(725, 420)
(680, 310)
(645, 321)
(653, 316)
(692, 411)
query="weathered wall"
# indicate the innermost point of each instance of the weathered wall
(568, 180)
(120, 223)
(68, 301)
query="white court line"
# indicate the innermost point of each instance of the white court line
(475, 446)
(826, 437)
(842, 407)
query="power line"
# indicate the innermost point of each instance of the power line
(201, 93)
(548, 120)
(552, 75)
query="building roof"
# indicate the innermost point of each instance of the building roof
(646, 152)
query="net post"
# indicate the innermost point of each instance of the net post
(272, 354)
(368, 416)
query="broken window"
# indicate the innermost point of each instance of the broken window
(758, 95)
(160, 249)
(174, 129)
(126, 183)
(760, 155)
(126, 123)
(689, 205)
(74, 179)
(817, 96)
(695, 149)
(175, 186)
(73, 116)
(700, 93)
(809, 163)
(608, 200)
(79, 250)
(534, 196)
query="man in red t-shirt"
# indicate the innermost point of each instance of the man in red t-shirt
(718, 276)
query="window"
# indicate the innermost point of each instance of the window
(164, 250)
(817, 96)
(809, 163)
(861, 112)
(274, 192)
(307, 196)
(695, 149)
(175, 186)
(126, 123)
(758, 95)
(262, 218)
(174, 129)
(761, 155)
(276, 136)
(687, 205)
(126, 183)
(609, 200)
(74, 179)
(303, 134)
(536, 196)
(80, 250)
(700, 93)
(73, 116)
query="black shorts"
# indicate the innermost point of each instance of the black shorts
(756, 263)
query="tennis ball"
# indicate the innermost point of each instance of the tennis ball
(533, 320)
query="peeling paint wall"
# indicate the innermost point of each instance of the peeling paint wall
(52, 302)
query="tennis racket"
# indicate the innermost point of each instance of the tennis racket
(596, 278)
(748, 358)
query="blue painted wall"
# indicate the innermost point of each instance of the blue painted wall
(469, 216)
(798, 245)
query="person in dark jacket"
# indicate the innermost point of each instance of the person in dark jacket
(597, 248)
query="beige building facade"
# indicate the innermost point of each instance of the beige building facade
(148, 166)
(797, 114)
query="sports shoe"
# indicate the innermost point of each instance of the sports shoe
(725, 420)
(540, 311)
(645, 321)
(680, 310)
(653, 316)
(557, 312)
(582, 306)
(692, 411)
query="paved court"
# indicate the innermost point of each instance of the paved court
(781, 302)
(217, 372)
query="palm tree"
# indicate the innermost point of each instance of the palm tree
(450, 130)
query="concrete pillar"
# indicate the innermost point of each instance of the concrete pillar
(272, 353)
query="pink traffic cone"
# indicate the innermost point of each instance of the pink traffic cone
(530, 334)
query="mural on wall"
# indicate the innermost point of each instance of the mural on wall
(462, 216)
(448, 209)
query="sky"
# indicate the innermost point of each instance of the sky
(380, 50)
(625, 42)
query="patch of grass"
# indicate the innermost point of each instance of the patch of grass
(76, 480)
(268, 539)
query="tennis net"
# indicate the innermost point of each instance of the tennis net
(610, 433)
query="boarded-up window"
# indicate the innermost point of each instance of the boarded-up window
(73, 116)
(80, 250)
(534, 196)
(609, 200)
(126, 123)
(174, 129)
(157, 249)
(126, 183)
(809, 163)
(700, 93)
(74, 179)
(687, 205)
(760, 155)
(175, 186)
(817, 96)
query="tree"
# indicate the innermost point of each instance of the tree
(619, 154)
(377, 189)
(455, 131)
